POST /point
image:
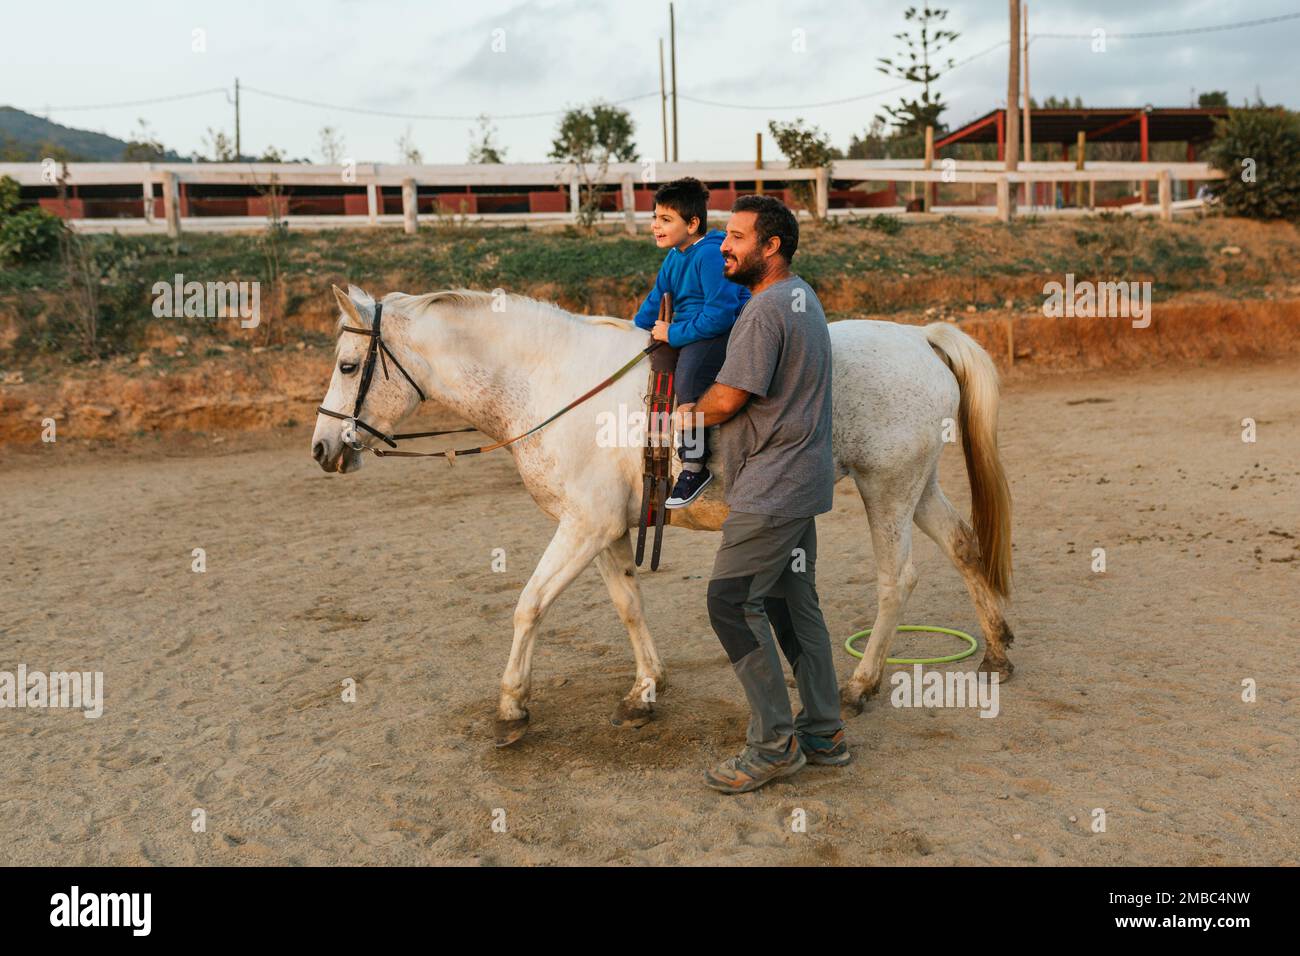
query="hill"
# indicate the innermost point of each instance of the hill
(25, 138)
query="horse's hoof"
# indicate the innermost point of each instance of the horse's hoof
(509, 731)
(852, 700)
(1003, 668)
(629, 714)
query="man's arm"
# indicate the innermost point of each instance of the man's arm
(715, 406)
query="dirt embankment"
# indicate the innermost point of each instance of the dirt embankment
(1223, 289)
(258, 389)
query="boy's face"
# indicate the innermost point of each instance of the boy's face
(670, 229)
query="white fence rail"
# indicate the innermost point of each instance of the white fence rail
(373, 177)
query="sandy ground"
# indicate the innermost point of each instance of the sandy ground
(223, 688)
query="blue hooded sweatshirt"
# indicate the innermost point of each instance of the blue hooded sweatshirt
(705, 303)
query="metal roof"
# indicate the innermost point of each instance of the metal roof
(1107, 124)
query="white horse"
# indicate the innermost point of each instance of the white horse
(505, 363)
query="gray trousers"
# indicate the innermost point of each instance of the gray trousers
(764, 578)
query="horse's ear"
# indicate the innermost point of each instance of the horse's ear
(347, 305)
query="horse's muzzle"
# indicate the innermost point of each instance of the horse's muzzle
(341, 461)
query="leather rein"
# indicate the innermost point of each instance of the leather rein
(378, 351)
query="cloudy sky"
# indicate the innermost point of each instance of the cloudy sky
(752, 61)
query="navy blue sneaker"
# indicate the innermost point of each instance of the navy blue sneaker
(832, 751)
(689, 486)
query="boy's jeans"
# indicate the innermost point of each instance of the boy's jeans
(698, 365)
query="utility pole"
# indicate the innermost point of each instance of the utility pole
(672, 46)
(663, 97)
(1013, 91)
(1024, 56)
(238, 152)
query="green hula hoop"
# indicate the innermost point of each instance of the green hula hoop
(959, 656)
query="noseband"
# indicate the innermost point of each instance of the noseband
(378, 349)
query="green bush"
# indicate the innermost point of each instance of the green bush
(26, 235)
(1259, 150)
(29, 236)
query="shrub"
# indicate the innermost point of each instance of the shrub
(1259, 150)
(26, 235)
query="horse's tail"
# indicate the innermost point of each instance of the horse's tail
(977, 379)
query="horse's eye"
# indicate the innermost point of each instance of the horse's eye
(347, 368)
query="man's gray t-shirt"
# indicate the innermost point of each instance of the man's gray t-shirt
(777, 448)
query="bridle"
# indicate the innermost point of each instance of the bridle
(378, 349)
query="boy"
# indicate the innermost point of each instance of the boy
(705, 305)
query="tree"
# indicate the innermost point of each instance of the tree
(595, 136)
(871, 144)
(332, 145)
(407, 150)
(217, 148)
(1259, 150)
(805, 148)
(598, 134)
(143, 147)
(1056, 103)
(482, 146)
(913, 116)
(1212, 98)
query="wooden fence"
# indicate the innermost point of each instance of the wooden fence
(367, 194)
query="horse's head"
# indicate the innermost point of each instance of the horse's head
(367, 397)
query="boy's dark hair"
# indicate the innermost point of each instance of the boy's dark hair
(687, 197)
(774, 219)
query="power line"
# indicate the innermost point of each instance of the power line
(846, 99)
(148, 102)
(427, 116)
(541, 114)
(1171, 33)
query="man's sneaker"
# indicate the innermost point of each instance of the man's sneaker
(832, 751)
(754, 768)
(688, 488)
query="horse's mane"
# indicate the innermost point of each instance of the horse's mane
(474, 298)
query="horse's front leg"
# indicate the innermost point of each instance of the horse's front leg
(619, 571)
(570, 551)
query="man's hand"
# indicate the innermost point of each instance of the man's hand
(717, 405)
(683, 418)
(660, 332)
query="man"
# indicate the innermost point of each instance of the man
(774, 394)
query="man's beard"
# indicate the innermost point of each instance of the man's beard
(749, 272)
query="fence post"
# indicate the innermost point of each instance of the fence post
(629, 205)
(1080, 151)
(410, 207)
(1004, 199)
(171, 204)
(1166, 196)
(823, 192)
(372, 202)
(928, 164)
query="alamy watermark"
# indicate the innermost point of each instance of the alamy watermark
(918, 688)
(1091, 300)
(75, 690)
(208, 300)
(130, 910)
(628, 427)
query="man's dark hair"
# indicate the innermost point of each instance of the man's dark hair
(688, 197)
(774, 219)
